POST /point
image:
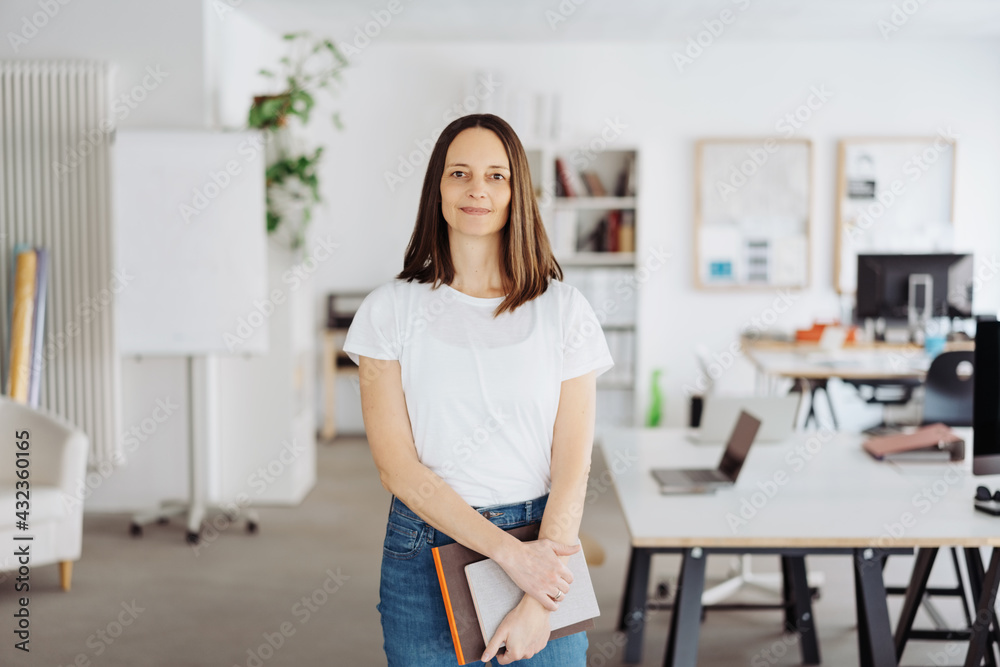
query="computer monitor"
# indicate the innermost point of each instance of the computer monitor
(986, 399)
(884, 285)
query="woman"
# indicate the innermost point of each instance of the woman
(478, 392)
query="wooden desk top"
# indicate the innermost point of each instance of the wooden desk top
(810, 361)
(817, 489)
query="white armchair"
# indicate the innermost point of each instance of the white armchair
(57, 470)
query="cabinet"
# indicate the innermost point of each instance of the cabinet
(267, 402)
(588, 204)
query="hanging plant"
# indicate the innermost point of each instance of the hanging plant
(292, 184)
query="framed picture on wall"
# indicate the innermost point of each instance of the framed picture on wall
(753, 203)
(894, 195)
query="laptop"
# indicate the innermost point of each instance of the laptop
(707, 480)
(777, 414)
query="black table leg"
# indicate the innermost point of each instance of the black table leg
(685, 623)
(914, 596)
(786, 594)
(980, 641)
(633, 616)
(875, 643)
(802, 609)
(974, 564)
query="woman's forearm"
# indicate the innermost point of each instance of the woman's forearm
(434, 501)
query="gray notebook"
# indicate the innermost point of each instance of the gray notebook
(495, 594)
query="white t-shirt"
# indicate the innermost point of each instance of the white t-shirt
(482, 393)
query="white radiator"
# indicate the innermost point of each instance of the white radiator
(55, 192)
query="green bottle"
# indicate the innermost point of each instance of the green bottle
(655, 401)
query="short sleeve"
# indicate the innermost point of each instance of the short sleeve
(373, 332)
(585, 348)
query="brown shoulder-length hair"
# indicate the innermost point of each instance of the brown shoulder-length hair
(526, 260)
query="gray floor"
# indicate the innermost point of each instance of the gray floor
(308, 584)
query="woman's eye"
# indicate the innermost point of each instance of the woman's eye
(458, 174)
(497, 177)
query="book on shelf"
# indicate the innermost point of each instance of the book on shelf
(564, 184)
(476, 601)
(569, 180)
(594, 185)
(626, 178)
(613, 229)
(626, 232)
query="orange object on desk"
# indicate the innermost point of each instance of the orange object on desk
(813, 334)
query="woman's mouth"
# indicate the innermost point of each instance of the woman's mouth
(471, 210)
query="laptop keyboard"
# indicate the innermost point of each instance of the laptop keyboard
(703, 475)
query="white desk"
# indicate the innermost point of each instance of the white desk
(815, 493)
(811, 367)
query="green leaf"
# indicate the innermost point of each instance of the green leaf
(336, 121)
(266, 72)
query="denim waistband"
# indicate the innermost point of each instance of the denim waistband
(501, 515)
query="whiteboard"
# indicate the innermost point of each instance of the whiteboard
(190, 243)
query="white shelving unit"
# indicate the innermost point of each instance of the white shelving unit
(595, 260)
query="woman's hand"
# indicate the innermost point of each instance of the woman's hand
(525, 630)
(537, 570)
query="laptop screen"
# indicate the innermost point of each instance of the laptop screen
(739, 444)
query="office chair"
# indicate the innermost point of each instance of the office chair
(948, 390)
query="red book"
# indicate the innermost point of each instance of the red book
(614, 226)
(565, 180)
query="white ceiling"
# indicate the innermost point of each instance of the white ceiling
(634, 20)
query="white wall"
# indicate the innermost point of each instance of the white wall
(209, 59)
(134, 35)
(396, 95)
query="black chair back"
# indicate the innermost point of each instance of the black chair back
(948, 395)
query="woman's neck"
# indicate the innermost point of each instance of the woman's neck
(477, 265)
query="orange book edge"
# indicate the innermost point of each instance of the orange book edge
(447, 607)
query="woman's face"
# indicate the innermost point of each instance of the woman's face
(475, 185)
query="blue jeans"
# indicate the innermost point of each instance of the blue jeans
(414, 625)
